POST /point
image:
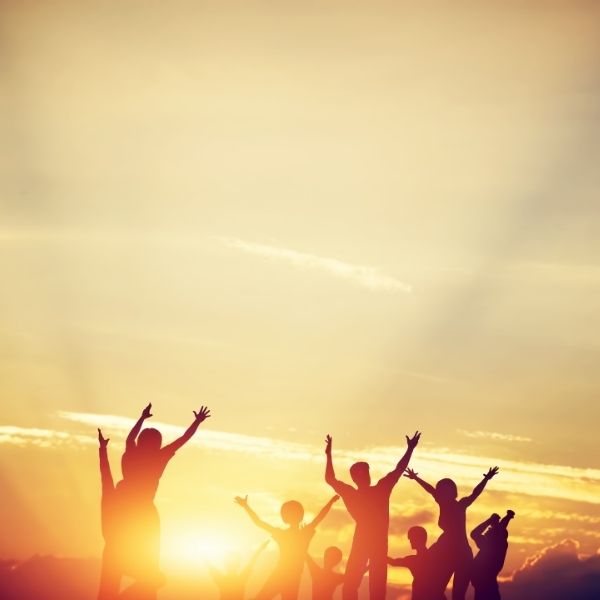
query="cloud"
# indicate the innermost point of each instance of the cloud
(399, 524)
(365, 276)
(491, 435)
(556, 573)
(533, 479)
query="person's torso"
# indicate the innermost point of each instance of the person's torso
(370, 508)
(293, 546)
(142, 471)
(453, 520)
(325, 584)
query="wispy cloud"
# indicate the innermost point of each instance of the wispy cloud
(369, 277)
(491, 435)
(529, 478)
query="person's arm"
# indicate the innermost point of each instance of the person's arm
(477, 533)
(135, 431)
(339, 486)
(106, 477)
(468, 500)
(200, 416)
(323, 512)
(411, 474)
(393, 476)
(243, 502)
(250, 564)
(396, 562)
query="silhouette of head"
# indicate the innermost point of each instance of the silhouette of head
(417, 536)
(150, 439)
(292, 512)
(360, 474)
(332, 557)
(446, 489)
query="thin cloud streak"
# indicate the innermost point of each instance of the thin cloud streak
(365, 276)
(492, 435)
(553, 481)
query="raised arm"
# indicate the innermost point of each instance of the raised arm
(468, 500)
(339, 486)
(250, 564)
(135, 431)
(477, 533)
(106, 477)
(411, 443)
(411, 474)
(313, 567)
(200, 416)
(323, 512)
(243, 502)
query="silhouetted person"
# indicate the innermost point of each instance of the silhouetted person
(232, 581)
(428, 582)
(325, 579)
(293, 546)
(491, 538)
(452, 547)
(369, 506)
(131, 524)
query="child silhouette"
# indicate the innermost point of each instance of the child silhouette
(325, 579)
(427, 584)
(452, 548)
(293, 544)
(232, 581)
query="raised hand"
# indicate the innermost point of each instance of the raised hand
(414, 440)
(411, 474)
(328, 442)
(102, 440)
(202, 414)
(146, 413)
(491, 472)
(243, 502)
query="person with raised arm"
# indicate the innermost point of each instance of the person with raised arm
(130, 517)
(452, 548)
(427, 584)
(369, 506)
(491, 537)
(293, 544)
(325, 579)
(232, 580)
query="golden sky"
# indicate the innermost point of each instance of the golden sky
(350, 218)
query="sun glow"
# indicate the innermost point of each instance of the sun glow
(187, 550)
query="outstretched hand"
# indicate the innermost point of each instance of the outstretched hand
(102, 440)
(492, 471)
(414, 440)
(202, 414)
(411, 474)
(243, 502)
(334, 500)
(328, 442)
(147, 412)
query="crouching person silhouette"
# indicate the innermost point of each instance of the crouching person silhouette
(292, 542)
(130, 521)
(232, 581)
(491, 537)
(369, 506)
(452, 548)
(428, 582)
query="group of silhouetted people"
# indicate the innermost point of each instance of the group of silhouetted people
(131, 531)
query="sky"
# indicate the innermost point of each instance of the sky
(360, 219)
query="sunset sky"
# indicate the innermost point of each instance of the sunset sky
(351, 218)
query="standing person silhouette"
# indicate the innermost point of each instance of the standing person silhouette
(452, 548)
(369, 506)
(325, 579)
(427, 581)
(232, 581)
(130, 517)
(293, 544)
(491, 538)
